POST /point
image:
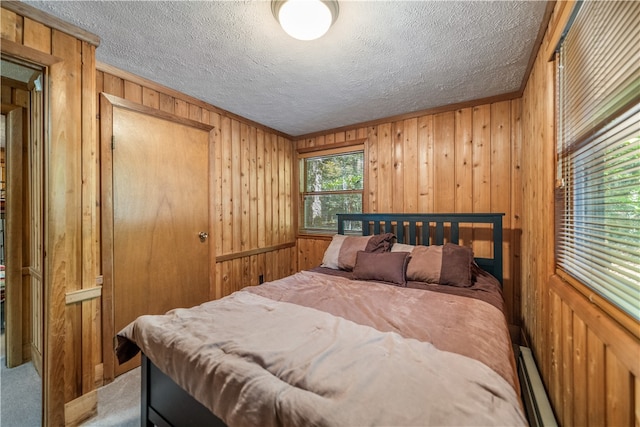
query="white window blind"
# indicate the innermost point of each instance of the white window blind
(598, 218)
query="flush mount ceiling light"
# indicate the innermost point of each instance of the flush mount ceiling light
(305, 19)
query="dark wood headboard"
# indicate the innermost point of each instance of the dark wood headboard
(413, 231)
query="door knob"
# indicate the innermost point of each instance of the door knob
(203, 236)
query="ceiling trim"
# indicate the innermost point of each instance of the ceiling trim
(106, 68)
(537, 45)
(139, 108)
(117, 72)
(50, 21)
(430, 111)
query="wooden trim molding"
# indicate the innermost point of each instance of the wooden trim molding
(243, 254)
(344, 147)
(132, 106)
(83, 295)
(621, 341)
(81, 408)
(315, 236)
(50, 21)
(618, 315)
(560, 28)
(26, 53)
(30, 271)
(427, 112)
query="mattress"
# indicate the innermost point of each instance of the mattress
(320, 348)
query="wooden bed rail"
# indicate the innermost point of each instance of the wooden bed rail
(414, 232)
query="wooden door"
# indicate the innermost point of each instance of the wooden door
(160, 205)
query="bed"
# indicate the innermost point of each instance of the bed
(391, 329)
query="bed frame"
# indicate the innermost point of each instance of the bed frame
(430, 229)
(164, 403)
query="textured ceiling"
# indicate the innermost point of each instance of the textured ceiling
(381, 58)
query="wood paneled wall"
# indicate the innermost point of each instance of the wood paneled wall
(479, 158)
(589, 362)
(464, 160)
(252, 174)
(71, 232)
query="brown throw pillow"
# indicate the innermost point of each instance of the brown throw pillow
(445, 265)
(384, 266)
(342, 251)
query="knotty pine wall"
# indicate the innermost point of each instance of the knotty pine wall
(71, 228)
(252, 174)
(464, 160)
(590, 363)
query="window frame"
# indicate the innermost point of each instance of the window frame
(582, 138)
(326, 151)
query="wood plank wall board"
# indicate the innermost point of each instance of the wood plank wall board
(516, 207)
(310, 250)
(370, 202)
(589, 362)
(452, 161)
(426, 172)
(482, 147)
(501, 170)
(444, 162)
(90, 220)
(464, 173)
(64, 198)
(11, 26)
(260, 201)
(595, 355)
(537, 219)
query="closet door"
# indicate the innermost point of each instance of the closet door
(160, 210)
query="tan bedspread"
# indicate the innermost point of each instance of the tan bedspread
(253, 360)
(466, 326)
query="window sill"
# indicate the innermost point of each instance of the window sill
(317, 235)
(625, 320)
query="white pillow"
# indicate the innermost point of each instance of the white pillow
(330, 259)
(343, 250)
(401, 247)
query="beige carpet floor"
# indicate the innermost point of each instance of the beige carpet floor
(20, 396)
(118, 402)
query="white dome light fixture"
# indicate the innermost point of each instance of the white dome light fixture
(305, 19)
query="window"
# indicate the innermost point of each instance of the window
(331, 182)
(598, 217)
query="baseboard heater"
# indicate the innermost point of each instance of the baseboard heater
(534, 397)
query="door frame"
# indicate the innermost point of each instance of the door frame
(52, 349)
(107, 104)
